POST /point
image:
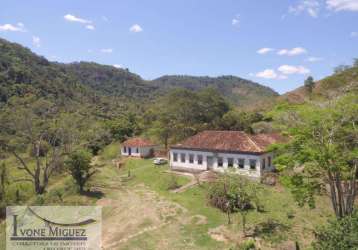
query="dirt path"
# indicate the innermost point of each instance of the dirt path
(130, 213)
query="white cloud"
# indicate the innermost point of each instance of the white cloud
(341, 5)
(135, 28)
(314, 59)
(269, 74)
(289, 69)
(90, 27)
(311, 7)
(106, 50)
(19, 27)
(292, 52)
(264, 50)
(72, 18)
(236, 21)
(118, 66)
(354, 34)
(36, 41)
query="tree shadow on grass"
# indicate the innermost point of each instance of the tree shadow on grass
(272, 230)
(93, 194)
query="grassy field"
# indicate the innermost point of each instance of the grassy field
(140, 212)
(281, 220)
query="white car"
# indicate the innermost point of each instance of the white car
(159, 161)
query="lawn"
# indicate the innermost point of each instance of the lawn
(282, 220)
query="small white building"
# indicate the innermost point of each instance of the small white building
(138, 147)
(224, 150)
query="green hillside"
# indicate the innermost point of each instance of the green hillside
(22, 71)
(333, 86)
(238, 90)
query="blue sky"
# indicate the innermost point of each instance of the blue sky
(277, 43)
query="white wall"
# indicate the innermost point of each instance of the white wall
(196, 167)
(142, 151)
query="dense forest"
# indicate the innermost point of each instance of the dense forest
(54, 117)
(23, 71)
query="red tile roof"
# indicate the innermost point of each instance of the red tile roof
(230, 141)
(137, 142)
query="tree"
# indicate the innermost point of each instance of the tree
(232, 194)
(239, 120)
(4, 180)
(79, 165)
(338, 234)
(323, 144)
(309, 83)
(34, 123)
(123, 127)
(182, 113)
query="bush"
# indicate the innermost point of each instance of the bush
(173, 182)
(339, 234)
(79, 165)
(247, 245)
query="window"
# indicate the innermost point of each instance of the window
(191, 158)
(241, 163)
(175, 157)
(230, 162)
(182, 157)
(125, 149)
(263, 163)
(220, 162)
(137, 150)
(252, 164)
(269, 161)
(200, 159)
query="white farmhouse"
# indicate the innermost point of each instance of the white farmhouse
(138, 147)
(223, 150)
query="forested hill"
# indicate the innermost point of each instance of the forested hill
(238, 90)
(22, 71)
(109, 80)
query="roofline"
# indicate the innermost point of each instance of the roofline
(139, 146)
(220, 151)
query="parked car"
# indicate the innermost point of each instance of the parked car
(159, 161)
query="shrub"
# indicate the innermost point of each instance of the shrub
(80, 168)
(247, 245)
(173, 183)
(338, 234)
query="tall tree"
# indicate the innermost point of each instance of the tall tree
(323, 144)
(35, 125)
(309, 83)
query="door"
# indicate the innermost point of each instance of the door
(209, 162)
(129, 151)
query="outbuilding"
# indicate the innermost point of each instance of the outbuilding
(138, 147)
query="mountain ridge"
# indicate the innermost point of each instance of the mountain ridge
(23, 70)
